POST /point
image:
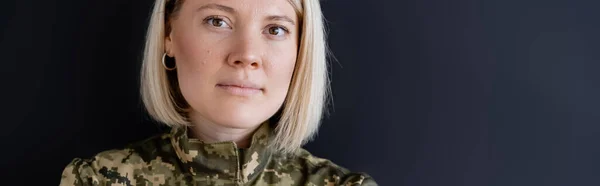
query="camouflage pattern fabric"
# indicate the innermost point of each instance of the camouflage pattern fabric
(175, 159)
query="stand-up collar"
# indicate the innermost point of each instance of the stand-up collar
(222, 161)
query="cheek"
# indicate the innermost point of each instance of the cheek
(196, 54)
(195, 49)
(191, 54)
(197, 64)
(280, 73)
(193, 69)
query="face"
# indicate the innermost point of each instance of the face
(235, 58)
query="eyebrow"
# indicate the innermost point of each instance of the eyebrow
(216, 6)
(281, 18)
(232, 11)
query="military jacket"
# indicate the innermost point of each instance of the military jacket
(174, 159)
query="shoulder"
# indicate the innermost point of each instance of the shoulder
(322, 171)
(125, 166)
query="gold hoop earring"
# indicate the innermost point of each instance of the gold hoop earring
(165, 64)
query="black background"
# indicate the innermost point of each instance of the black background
(426, 92)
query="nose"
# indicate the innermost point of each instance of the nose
(246, 52)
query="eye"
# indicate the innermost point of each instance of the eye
(277, 30)
(217, 22)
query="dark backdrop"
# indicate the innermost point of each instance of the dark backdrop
(426, 92)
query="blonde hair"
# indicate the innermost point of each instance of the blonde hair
(301, 112)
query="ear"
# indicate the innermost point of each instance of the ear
(169, 45)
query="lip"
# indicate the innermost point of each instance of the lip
(240, 88)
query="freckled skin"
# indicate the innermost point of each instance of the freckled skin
(206, 55)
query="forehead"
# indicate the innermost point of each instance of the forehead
(243, 7)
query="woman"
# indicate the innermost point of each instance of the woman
(242, 84)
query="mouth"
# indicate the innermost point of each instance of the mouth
(240, 88)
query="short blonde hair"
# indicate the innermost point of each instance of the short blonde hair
(301, 112)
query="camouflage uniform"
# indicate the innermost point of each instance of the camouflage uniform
(173, 159)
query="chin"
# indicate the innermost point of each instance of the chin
(240, 114)
(233, 112)
(239, 120)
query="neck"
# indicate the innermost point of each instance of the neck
(211, 132)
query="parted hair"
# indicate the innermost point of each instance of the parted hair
(299, 117)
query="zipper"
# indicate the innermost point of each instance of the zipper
(239, 153)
